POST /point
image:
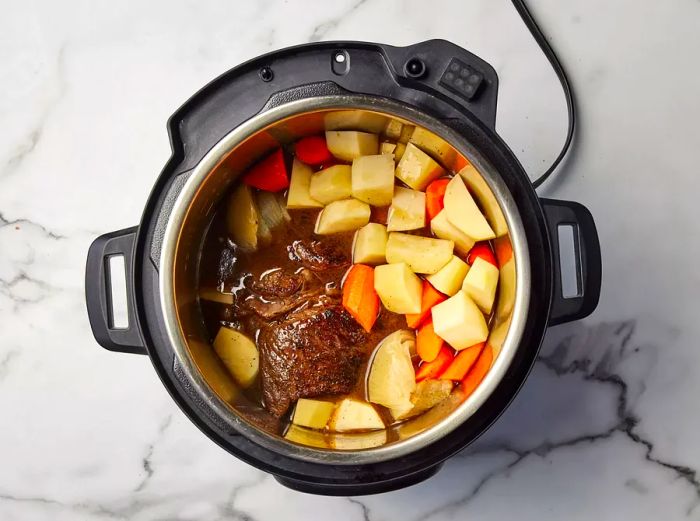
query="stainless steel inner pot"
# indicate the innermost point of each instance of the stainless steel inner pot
(192, 213)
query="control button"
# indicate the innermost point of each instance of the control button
(461, 79)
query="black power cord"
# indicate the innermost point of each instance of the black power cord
(563, 79)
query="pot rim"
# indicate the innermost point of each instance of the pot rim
(176, 336)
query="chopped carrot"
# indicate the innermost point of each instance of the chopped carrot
(462, 362)
(435, 196)
(478, 371)
(483, 250)
(431, 297)
(503, 248)
(270, 174)
(428, 344)
(359, 297)
(312, 150)
(435, 368)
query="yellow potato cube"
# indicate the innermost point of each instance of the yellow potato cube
(239, 354)
(243, 218)
(393, 129)
(373, 179)
(399, 289)
(450, 278)
(506, 295)
(369, 244)
(312, 413)
(433, 145)
(357, 440)
(463, 213)
(477, 185)
(417, 168)
(400, 149)
(387, 148)
(352, 415)
(305, 436)
(331, 184)
(421, 254)
(347, 145)
(342, 216)
(481, 283)
(298, 195)
(459, 321)
(406, 133)
(407, 211)
(443, 229)
(355, 120)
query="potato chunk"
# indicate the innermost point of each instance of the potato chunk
(347, 145)
(399, 289)
(433, 145)
(444, 229)
(393, 129)
(481, 283)
(399, 150)
(312, 413)
(373, 179)
(331, 184)
(477, 185)
(459, 321)
(421, 254)
(298, 195)
(369, 245)
(463, 213)
(342, 216)
(243, 218)
(387, 148)
(417, 168)
(407, 211)
(450, 278)
(239, 354)
(352, 415)
(392, 379)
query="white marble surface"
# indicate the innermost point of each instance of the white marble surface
(606, 426)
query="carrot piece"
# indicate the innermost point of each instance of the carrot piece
(478, 371)
(503, 248)
(312, 150)
(428, 344)
(270, 174)
(435, 368)
(464, 361)
(435, 196)
(483, 250)
(430, 297)
(359, 297)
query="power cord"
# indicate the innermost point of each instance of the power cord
(563, 79)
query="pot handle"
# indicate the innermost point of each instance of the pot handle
(588, 268)
(98, 292)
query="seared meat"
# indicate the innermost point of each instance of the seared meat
(274, 308)
(315, 351)
(318, 255)
(277, 283)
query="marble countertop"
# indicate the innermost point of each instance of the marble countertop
(605, 427)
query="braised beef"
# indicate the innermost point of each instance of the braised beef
(277, 283)
(318, 255)
(315, 351)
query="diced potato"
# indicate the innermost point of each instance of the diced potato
(399, 289)
(305, 436)
(373, 179)
(459, 321)
(331, 184)
(407, 211)
(243, 218)
(298, 195)
(506, 295)
(417, 168)
(498, 334)
(369, 245)
(463, 213)
(387, 148)
(239, 354)
(444, 229)
(421, 254)
(347, 145)
(355, 120)
(213, 370)
(342, 216)
(406, 133)
(392, 379)
(481, 283)
(393, 129)
(400, 149)
(433, 145)
(450, 278)
(427, 394)
(214, 295)
(312, 413)
(351, 415)
(357, 440)
(477, 185)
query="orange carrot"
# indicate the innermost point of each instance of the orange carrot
(435, 368)
(359, 297)
(430, 297)
(428, 344)
(483, 250)
(434, 197)
(504, 249)
(462, 362)
(474, 377)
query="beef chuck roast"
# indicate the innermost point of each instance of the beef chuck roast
(315, 351)
(318, 255)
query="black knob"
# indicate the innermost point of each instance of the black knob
(415, 68)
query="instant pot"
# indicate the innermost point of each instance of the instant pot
(275, 99)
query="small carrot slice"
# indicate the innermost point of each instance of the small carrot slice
(478, 371)
(359, 297)
(503, 248)
(428, 344)
(270, 174)
(430, 298)
(483, 250)
(463, 362)
(435, 196)
(312, 150)
(435, 368)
